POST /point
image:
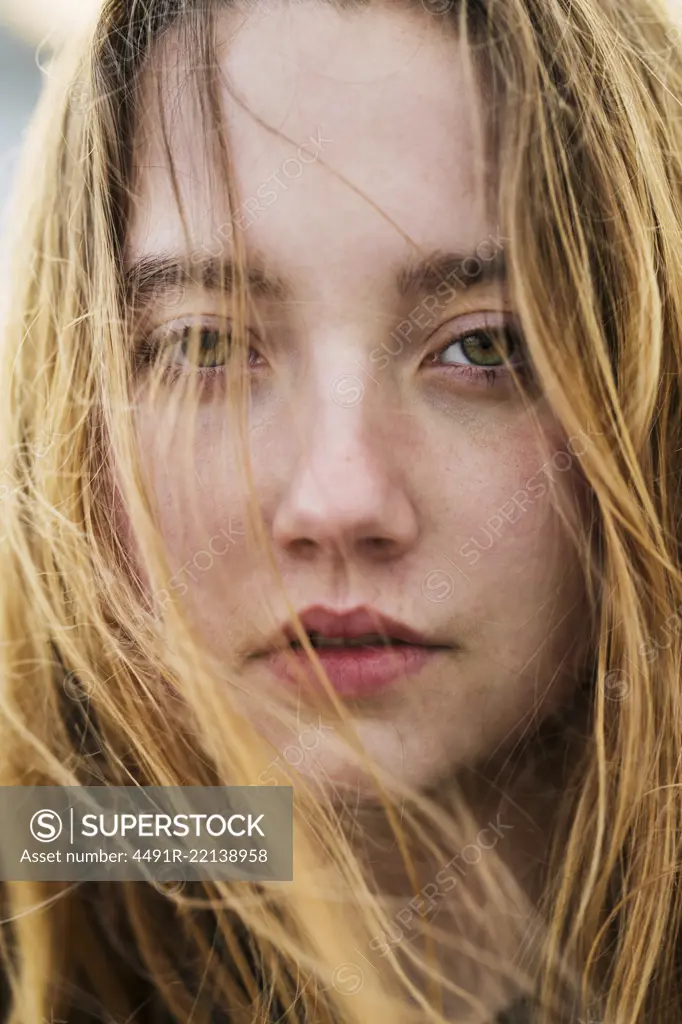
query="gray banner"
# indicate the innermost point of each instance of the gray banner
(152, 833)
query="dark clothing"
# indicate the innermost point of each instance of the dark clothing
(516, 1014)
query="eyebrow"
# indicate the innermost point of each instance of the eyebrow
(425, 275)
(150, 276)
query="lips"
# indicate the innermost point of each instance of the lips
(354, 625)
(361, 651)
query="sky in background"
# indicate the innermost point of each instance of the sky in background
(20, 75)
(20, 83)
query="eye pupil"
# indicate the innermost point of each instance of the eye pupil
(211, 349)
(483, 343)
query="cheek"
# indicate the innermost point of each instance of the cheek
(508, 519)
(184, 503)
(501, 538)
(200, 509)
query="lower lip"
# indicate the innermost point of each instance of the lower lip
(353, 671)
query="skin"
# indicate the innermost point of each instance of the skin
(371, 477)
(387, 474)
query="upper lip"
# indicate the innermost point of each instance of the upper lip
(357, 622)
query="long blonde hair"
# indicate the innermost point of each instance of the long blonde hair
(99, 688)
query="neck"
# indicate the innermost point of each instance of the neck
(479, 891)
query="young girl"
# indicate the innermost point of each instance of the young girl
(341, 446)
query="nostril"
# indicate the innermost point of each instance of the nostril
(305, 548)
(378, 546)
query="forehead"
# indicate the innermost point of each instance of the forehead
(384, 101)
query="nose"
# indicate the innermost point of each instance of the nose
(348, 497)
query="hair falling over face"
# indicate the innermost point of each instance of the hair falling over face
(359, 317)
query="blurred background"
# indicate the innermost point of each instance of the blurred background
(28, 31)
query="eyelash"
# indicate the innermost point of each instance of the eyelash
(148, 353)
(486, 375)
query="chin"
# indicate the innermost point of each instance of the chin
(398, 752)
(345, 774)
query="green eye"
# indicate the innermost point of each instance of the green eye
(186, 349)
(205, 348)
(486, 348)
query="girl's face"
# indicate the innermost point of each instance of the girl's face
(399, 475)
